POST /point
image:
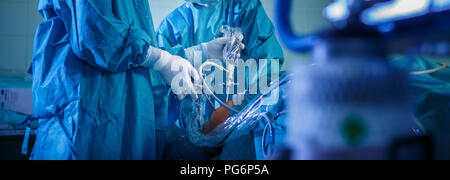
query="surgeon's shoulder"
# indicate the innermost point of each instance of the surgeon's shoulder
(177, 17)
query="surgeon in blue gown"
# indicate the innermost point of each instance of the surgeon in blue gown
(100, 86)
(199, 21)
(431, 97)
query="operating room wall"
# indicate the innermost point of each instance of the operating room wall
(19, 20)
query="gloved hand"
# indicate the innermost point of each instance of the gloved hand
(212, 49)
(176, 71)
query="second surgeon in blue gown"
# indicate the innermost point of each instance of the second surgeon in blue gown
(199, 21)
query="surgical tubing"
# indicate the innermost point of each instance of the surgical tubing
(269, 127)
(230, 79)
(209, 90)
(283, 81)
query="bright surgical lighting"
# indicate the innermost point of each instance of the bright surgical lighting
(395, 10)
(441, 5)
(337, 11)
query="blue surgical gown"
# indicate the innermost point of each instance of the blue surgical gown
(90, 95)
(190, 25)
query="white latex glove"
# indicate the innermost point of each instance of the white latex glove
(178, 73)
(211, 50)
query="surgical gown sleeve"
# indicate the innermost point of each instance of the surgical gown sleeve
(261, 43)
(101, 37)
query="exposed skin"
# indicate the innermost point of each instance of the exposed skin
(219, 116)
